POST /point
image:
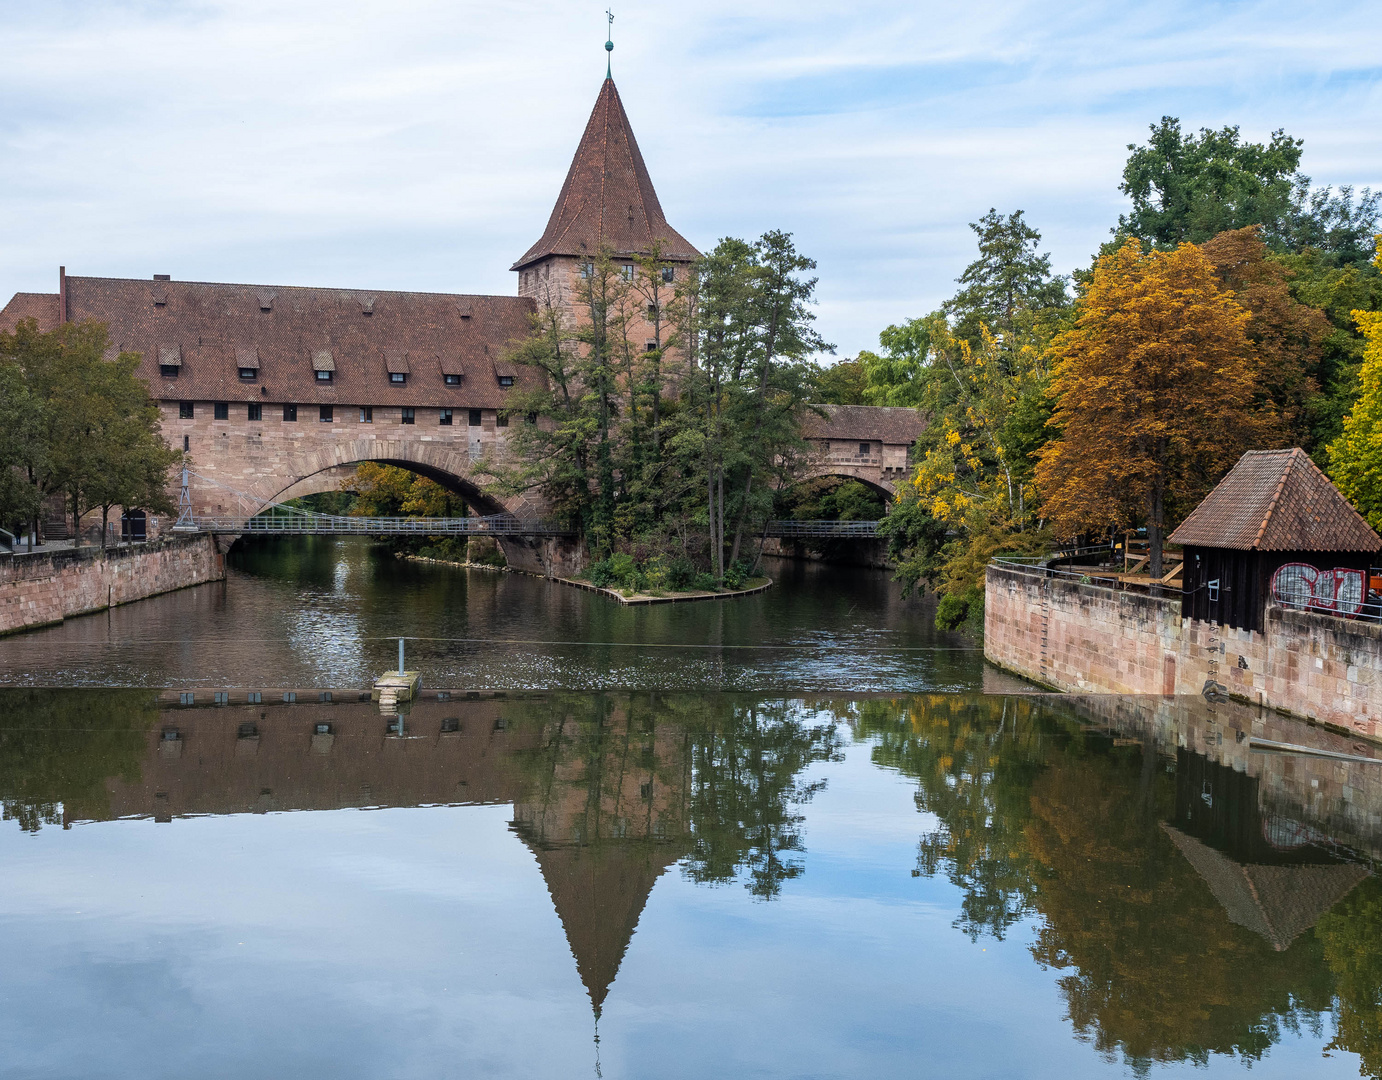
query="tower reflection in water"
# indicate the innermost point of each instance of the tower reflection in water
(1195, 896)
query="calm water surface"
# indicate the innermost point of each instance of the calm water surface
(318, 611)
(645, 882)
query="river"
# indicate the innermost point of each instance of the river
(781, 836)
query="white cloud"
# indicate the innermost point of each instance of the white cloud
(420, 144)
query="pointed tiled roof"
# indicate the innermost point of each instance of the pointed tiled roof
(1277, 500)
(608, 197)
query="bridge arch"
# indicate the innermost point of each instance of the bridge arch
(869, 476)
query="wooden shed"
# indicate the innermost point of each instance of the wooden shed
(1274, 507)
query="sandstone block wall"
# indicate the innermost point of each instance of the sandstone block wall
(1094, 639)
(40, 589)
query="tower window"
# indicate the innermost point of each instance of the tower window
(669, 274)
(221, 410)
(406, 416)
(256, 411)
(185, 410)
(627, 271)
(650, 346)
(444, 417)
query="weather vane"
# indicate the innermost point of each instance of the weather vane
(609, 42)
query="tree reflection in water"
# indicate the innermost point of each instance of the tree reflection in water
(1178, 927)
(1039, 817)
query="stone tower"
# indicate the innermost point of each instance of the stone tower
(607, 199)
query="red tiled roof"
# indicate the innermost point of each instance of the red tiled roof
(886, 423)
(215, 329)
(608, 196)
(1277, 500)
(27, 305)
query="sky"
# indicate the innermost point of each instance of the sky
(421, 144)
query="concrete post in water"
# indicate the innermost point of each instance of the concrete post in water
(400, 656)
(390, 689)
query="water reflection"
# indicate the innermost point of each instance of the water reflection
(1192, 898)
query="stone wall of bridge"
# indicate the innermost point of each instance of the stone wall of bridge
(43, 588)
(1115, 641)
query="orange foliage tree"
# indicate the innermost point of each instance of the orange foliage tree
(1155, 394)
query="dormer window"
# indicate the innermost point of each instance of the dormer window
(169, 371)
(506, 380)
(248, 374)
(451, 380)
(398, 378)
(323, 365)
(324, 376)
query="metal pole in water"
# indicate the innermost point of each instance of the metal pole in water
(400, 656)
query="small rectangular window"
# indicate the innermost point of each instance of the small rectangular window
(169, 371)
(501, 419)
(221, 410)
(185, 410)
(254, 697)
(290, 414)
(587, 269)
(650, 346)
(324, 376)
(669, 274)
(475, 417)
(863, 449)
(290, 696)
(627, 271)
(324, 696)
(249, 374)
(506, 380)
(652, 312)
(366, 414)
(326, 413)
(186, 444)
(221, 697)
(406, 417)
(256, 411)
(186, 699)
(452, 380)
(444, 417)
(398, 378)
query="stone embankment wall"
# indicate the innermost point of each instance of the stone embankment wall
(1094, 639)
(41, 589)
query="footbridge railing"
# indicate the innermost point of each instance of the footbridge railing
(837, 529)
(290, 521)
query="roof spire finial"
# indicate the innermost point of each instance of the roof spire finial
(609, 43)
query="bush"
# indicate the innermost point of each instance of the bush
(681, 573)
(736, 574)
(705, 582)
(622, 569)
(655, 572)
(962, 611)
(601, 576)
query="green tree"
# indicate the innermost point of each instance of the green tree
(22, 448)
(842, 383)
(1355, 457)
(1008, 279)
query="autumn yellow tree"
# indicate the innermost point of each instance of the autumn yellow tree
(1155, 392)
(1355, 457)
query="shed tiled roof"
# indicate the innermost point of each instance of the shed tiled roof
(42, 307)
(1277, 500)
(214, 329)
(608, 196)
(886, 423)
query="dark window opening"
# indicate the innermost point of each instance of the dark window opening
(249, 374)
(452, 380)
(406, 417)
(168, 371)
(398, 378)
(185, 410)
(444, 417)
(247, 731)
(649, 346)
(669, 274)
(451, 723)
(366, 414)
(256, 411)
(290, 413)
(220, 410)
(474, 417)
(186, 444)
(324, 376)
(531, 418)
(325, 413)
(501, 419)
(863, 449)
